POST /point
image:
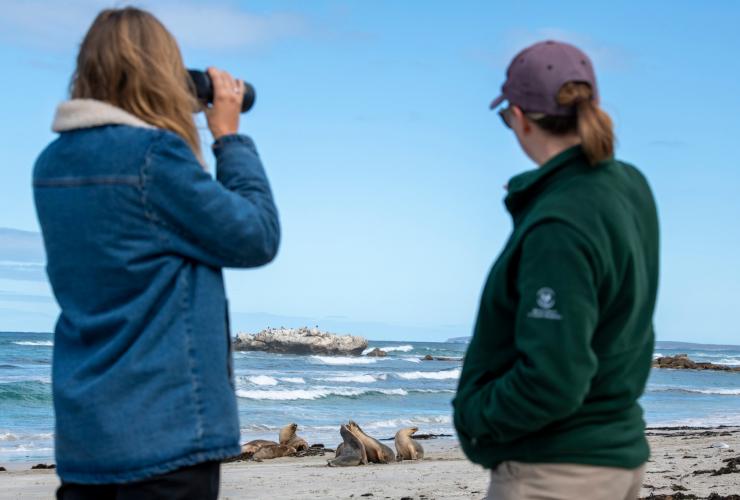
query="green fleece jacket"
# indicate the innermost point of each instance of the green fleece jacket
(563, 342)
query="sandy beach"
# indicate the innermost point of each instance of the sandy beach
(683, 461)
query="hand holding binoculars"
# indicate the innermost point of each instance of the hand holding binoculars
(203, 87)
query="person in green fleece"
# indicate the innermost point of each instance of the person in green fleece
(563, 342)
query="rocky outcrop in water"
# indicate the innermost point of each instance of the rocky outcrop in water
(682, 361)
(377, 353)
(429, 357)
(300, 341)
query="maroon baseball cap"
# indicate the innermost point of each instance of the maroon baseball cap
(536, 74)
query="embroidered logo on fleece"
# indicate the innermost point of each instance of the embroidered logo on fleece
(546, 304)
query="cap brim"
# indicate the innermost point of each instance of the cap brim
(497, 102)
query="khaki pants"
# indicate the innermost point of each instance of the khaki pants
(522, 481)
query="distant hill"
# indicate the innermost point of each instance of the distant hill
(673, 345)
(660, 344)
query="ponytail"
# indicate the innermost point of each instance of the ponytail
(589, 121)
(593, 124)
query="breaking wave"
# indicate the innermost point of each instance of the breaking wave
(440, 375)
(343, 360)
(293, 380)
(358, 379)
(45, 343)
(715, 390)
(318, 393)
(392, 348)
(262, 380)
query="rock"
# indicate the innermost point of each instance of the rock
(44, 466)
(429, 357)
(431, 436)
(673, 496)
(682, 361)
(378, 353)
(3, 469)
(300, 341)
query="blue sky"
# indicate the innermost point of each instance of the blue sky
(387, 165)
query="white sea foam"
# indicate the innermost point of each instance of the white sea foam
(9, 436)
(293, 380)
(412, 360)
(728, 361)
(414, 421)
(721, 391)
(708, 421)
(440, 375)
(23, 448)
(391, 348)
(262, 380)
(45, 343)
(657, 355)
(343, 360)
(259, 428)
(316, 393)
(710, 354)
(359, 379)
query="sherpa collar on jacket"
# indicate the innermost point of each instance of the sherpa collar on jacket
(86, 113)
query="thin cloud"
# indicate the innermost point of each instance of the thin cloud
(21, 255)
(59, 26)
(21, 246)
(209, 26)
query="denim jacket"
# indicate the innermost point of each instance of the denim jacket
(136, 234)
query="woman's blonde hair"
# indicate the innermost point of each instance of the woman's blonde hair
(130, 60)
(593, 125)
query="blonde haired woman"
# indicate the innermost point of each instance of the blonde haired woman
(136, 234)
(563, 343)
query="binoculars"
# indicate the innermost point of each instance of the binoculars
(203, 87)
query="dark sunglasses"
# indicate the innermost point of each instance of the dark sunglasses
(504, 114)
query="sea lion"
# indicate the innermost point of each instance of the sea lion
(252, 447)
(288, 437)
(406, 447)
(351, 452)
(274, 451)
(376, 451)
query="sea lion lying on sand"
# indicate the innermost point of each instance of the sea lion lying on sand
(406, 447)
(252, 447)
(288, 437)
(274, 451)
(350, 452)
(376, 451)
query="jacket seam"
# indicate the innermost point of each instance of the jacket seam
(192, 368)
(125, 180)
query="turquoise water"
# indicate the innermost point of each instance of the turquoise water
(319, 392)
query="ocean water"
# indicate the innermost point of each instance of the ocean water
(320, 392)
